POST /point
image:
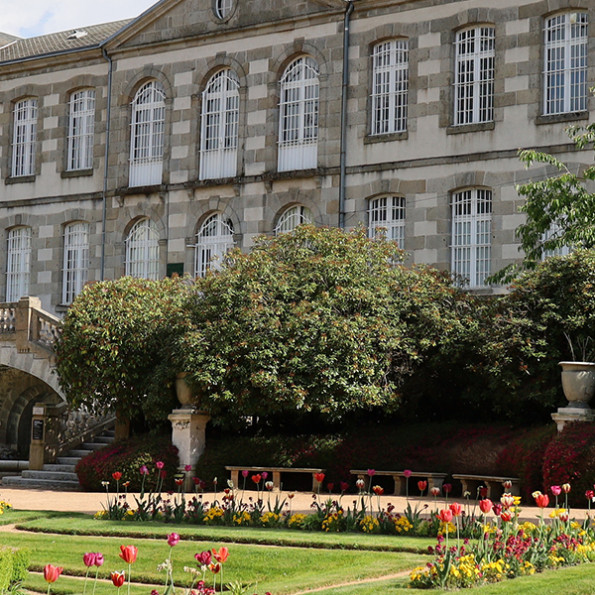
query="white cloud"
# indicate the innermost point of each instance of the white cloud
(28, 18)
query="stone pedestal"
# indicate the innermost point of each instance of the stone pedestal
(566, 415)
(188, 435)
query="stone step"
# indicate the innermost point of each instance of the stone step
(93, 446)
(78, 452)
(19, 481)
(59, 467)
(104, 439)
(68, 461)
(55, 476)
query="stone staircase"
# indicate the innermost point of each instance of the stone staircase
(59, 475)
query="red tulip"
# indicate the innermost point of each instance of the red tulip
(178, 482)
(422, 485)
(128, 553)
(118, 578)
(214, 568)
(447, 487)
(89, 559)
(256, 478)
(486, 505)
(455, 508)
(506, 516)
(483, 492)
(221, 555)
(378, 490)
(173, 539)
(319, 477)
(589, 494)
(344, 486)
(542, 500)
(117, 475)
(445, 515)
(330, 486)
(204, 558)
(51, 573)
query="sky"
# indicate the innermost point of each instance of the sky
(29, 18)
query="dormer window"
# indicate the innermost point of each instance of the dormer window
(223, 8)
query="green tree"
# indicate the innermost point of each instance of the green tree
(117, 346)
(561, 208)
(318, 320)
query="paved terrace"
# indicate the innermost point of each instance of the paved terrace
(91, 502)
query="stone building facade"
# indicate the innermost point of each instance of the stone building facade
(148, 146)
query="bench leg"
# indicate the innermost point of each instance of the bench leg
(276, 481)
(399, 485)
(234, 478)
(435, 482)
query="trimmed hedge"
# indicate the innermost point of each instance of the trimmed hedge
(127, 457)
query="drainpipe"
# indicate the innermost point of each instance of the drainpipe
(342, 177)
(105, 165)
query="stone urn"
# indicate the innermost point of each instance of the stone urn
(184, 391)
(578, 383)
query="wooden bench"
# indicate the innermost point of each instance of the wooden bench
(494, 485)
(433, 479)
(276, 472)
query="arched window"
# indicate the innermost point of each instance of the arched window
(146, 135)
(471, 249)
(298, 115)
(390, 62)
(474, 75)
(293, 217)
(223, 8)
(565, 69)
(142, 250)
(18, 263)
(213, 240)
(388, 212)
(81, 126)
(24, 139)
(219, 128)
(76, 260)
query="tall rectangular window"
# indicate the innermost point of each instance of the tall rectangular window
(81, 125)
(18, 263)
(565, 69)
(24, 138)
(388, 212)
(471, 250)
(390, 63)
(142, 250)
(76, 260)
(298, 116)
(474, 76)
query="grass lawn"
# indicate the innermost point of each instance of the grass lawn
(279, 561)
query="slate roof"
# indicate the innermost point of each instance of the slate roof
(21, 49)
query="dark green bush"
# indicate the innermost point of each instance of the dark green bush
(127, 457)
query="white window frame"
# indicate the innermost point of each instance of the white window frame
(219, 126)
(390, 84)
(81, 129)
(18, 263)
(554, 231)
(223, 8)
(298, 115)
(76, 260)
(214, 240)
(474, 75)
(24, 139)
(471, 247)
(142, 250)
(292, 217)
(388, 212)
(147, 135)
(566, 39)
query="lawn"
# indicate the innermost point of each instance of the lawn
(279, 561)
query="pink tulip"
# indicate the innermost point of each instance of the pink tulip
(89, 559)
(407, 473)
(556, 490)
(173, 539)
